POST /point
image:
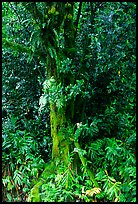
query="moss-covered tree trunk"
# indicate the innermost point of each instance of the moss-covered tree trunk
(60, 147)
(60, 13)
(59, 119)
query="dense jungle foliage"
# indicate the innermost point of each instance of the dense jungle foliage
(69, 101)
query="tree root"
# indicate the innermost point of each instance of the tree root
(84, 163)
(50, 169)
(34, 193)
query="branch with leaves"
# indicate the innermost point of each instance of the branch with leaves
(16, 46)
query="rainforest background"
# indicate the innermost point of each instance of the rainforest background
(69, 101)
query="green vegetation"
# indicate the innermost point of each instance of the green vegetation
(69, 101)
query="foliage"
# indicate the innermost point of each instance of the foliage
(114, 155)
(21, 158)
(116, 183)
(80, 58)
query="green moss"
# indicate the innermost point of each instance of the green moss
(34, 194)
(60, 147)
(50, 169)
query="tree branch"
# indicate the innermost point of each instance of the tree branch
(22, 48)
(78, 17)
(16, 46)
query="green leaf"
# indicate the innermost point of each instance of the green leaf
(9, 197)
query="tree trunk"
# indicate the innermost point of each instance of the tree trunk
(62, 126)
(60, 149)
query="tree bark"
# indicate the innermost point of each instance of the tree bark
(60, 149)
